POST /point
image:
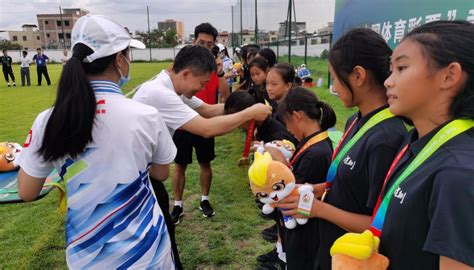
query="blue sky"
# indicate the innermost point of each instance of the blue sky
(132, 13)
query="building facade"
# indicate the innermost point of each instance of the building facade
(55, 29)
(178, 26)
(224, 38)
(296, 28)
(29, 38)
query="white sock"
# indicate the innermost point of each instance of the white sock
(281, 254)
(178, 203)
(204, 198)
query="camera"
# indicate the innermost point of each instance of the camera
(215, 51)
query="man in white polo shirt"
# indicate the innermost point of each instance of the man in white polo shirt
(172, 93)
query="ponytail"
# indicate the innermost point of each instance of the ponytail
(302, 99)
(69, 127)
(328, 116)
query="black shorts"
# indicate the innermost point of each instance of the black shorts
(185, 142)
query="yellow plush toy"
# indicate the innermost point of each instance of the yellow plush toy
(357, 251)
(9, 153)
(271, 181)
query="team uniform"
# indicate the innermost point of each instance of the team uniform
(113, 219)
(430, 214)
(311, 166)
(360, 174)
(271, 130)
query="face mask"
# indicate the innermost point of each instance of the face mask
(123, 80)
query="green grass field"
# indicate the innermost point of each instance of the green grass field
(32, 234)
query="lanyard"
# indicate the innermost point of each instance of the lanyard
(343, 138)
(248, 139)
(244, 160)
(373, 121)
(314, 140)
(449, 131)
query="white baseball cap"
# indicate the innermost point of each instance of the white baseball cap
(102, 35)
(221, 47)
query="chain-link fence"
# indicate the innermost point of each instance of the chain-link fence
(298, 31)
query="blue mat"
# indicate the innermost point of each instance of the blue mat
(9, 186)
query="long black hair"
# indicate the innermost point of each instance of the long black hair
(268, 54)
(69, 127)
(360, 47)
(445, 42)
(260, 63)
(302, 99)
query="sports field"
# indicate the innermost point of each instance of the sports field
(32, 235)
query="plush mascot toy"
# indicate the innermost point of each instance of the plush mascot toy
(9, 153)
(357, 251)
(286, 147)
(272, 181)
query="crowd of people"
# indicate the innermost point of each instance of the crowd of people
(409, 186)
(39, 59)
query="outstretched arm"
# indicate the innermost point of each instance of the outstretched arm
(215, 126)
(208, 111)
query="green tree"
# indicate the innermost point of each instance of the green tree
(151, 40)
(324, 54)
(170, 39)
(8, 45)
(158, 39)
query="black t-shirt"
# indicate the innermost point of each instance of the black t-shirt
(271, 130)
(245, 78)
(431, 213)
(360, 175)
(275, 113)
(6, 62)
(311, 166)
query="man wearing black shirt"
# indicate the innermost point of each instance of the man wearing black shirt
(7, 68)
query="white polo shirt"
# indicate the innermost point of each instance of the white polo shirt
(175, 109)
(113, 219)
(25, 62)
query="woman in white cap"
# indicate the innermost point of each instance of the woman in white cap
(103, 146)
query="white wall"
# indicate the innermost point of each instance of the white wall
(313, 50)
(170, 53)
